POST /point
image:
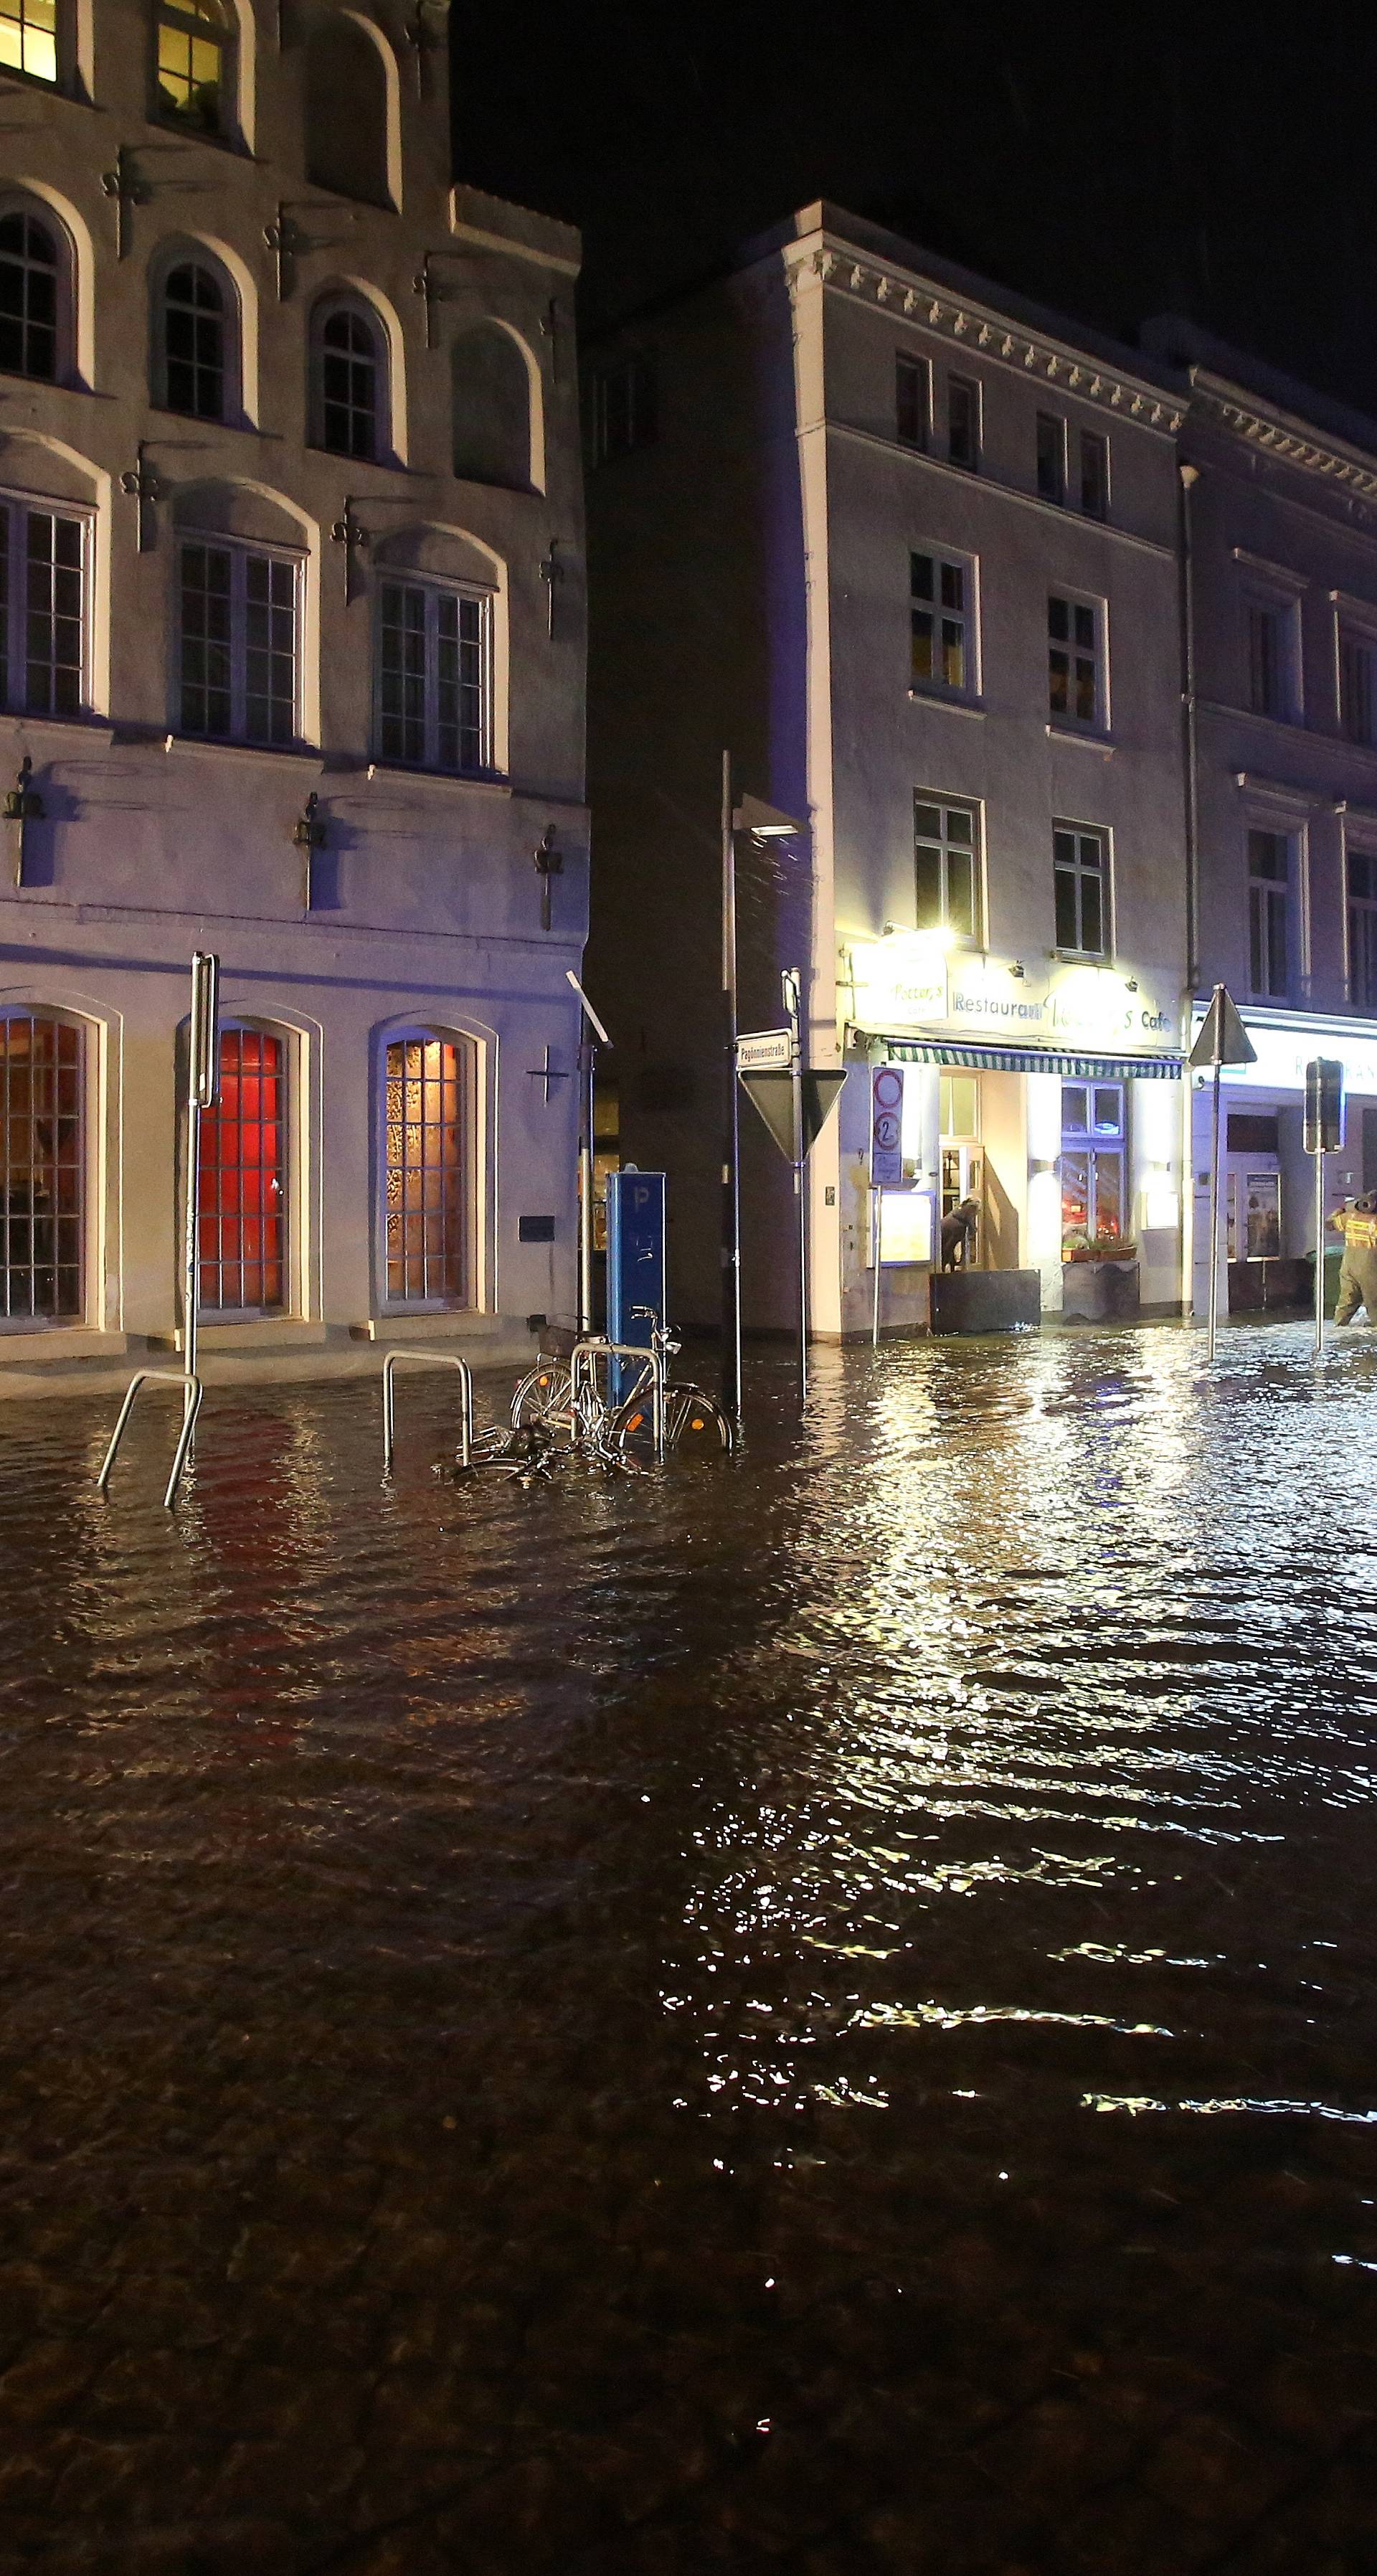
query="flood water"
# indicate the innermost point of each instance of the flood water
(812, 2012)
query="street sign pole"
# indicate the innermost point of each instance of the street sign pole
(1223, 1040)
(877, 1232)
(731, 1136)
(1319, 1254)
(791, 984)
(1325, 1118)
(203, 1090)
(1214, 1218)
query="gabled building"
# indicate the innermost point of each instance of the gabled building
(1280, 531)
(908, 548)
(291, 668)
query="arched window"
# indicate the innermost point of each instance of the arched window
(348, 394)
(194, 70)
(42, 1168)
(30, 296)
(491, 392)
(194, 351)
(346, 113)
(428, 1170)
(243, 1242)
(28, 38)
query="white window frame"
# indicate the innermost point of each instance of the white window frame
(411, 1032)
(324, 310)
(921, 368)
(1269, 888)
(1352, 636)
(1066, 720)
(22, 505)
(948, 804)
(1098, 438)
(92, 1037)
(434, 590)
(18, 201)
(952, 558)
(171, 256)
(229, 128)
(1103, 876)
(62, 33)
(240, 550)
(292, 1056)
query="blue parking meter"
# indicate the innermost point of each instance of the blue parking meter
(635, 1258)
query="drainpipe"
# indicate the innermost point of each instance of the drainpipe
(1190, 476)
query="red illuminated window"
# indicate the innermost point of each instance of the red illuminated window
(42, 1168)
(244, 1178)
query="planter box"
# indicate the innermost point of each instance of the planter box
(1099, 1292)
(983, 1301)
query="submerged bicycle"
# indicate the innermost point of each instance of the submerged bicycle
(614, 1419)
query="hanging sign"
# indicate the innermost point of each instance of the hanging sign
(887, 1127)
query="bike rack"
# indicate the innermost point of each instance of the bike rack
(592, 1348)
(426, 1359)
(192, 1391)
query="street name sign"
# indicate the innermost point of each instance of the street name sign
(765, 1051)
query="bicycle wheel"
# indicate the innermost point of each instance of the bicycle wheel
(695, 1424)
(545, 1395)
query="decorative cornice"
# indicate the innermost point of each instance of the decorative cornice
(1289, 444)
(971, 327)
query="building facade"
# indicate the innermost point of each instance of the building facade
(292, 670)
(910, 549)
(1280, 531)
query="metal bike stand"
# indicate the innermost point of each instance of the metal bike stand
(426, 1359)
(192, 1392)
(593, 1348)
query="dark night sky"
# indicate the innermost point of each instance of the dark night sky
(1112, 161)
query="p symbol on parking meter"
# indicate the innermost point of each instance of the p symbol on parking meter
(887, 1127)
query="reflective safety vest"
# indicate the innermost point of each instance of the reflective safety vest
(1360, 1231)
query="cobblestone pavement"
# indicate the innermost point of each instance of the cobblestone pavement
(810, 2015)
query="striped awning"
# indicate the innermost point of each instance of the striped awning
(1000, 1059)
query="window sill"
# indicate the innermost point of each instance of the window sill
(250, 1332)
(23, 1345)
(950, 698)
(61, 730)
(1092, 739)
(481, 782)
(299, 758)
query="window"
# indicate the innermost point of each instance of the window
(622, 407)
(912, 396)
(28, 38)
(347, 112)
(491, 395)
(194, 342)
(1094, 474)
(42, 1169)
(1094, 1140)
(944, 867)
(348, 384)
(193, 63)
(433, 669)
(1081, 876)
(243, 1209)
(1075, 691)
(963, 422)
(1356, 705)
(1051, 457)
(1362, 930)
(238, 642)
(940, 656)
(1269, 876)
(1269, 660)
(42, 609)
(29, 281)
(426, 1179)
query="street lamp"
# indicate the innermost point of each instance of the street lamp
(760, 823)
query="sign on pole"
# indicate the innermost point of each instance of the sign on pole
(765, 1051)
(773, 1095)
(1324, 1134)
(887, 1127)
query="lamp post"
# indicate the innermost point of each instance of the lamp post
(760, 823)
(590, 1031)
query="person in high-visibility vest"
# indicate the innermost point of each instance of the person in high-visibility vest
(1358, 1273)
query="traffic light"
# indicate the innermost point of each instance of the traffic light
(1324, 1105)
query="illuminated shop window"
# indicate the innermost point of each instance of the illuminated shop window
(244, 1178)
(1094, 1149)
(194, 43)
(427, 1179)
(28, 38)
(42, 1168)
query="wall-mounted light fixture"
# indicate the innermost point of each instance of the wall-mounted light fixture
(308, 836)
(1017, 970)
(548, 862)
(23, 805)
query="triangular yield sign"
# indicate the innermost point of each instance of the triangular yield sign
(773, 1095)
(1223, 1038)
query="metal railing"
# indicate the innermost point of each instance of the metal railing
(426, 1359)
(192, 1392)
(583, 1362)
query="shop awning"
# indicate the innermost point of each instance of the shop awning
(1000, 1059)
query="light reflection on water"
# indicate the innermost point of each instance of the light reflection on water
(990, 1756)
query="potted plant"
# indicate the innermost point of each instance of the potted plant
(1099, 1279)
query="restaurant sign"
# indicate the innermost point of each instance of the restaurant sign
(910, 981)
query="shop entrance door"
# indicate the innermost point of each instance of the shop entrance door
(963, 1177)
